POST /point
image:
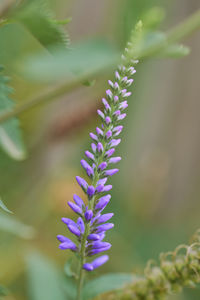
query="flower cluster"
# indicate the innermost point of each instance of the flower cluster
(177, 269)
(92, 224)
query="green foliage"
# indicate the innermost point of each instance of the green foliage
(12, 225)
(45, 281)
(10, 134)
(83, 58)
(3, 206)
(106, 283)
(3, 292)
(39, 20)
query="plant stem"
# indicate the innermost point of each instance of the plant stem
(190, 25)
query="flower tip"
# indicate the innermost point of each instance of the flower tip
(88, 267)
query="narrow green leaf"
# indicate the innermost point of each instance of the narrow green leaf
(39, 20)
(3, 206)
(10, 135)
(106, 283)
(44, 280)
(3, 291)
(12, 225)
(176, 51)
(84, 57)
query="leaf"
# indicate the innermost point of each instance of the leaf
(44, 280)
(84, 57)
(10, 135)
(106, 283)
(3, 291)
(3, 206)
(175, 51)
(39, 20)
(12, 225)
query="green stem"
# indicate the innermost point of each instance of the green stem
(190, 25)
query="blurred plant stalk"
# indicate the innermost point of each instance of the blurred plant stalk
(184, 29)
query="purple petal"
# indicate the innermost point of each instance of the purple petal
(102, 181)
(83, 184)
(99, 188)
(68, 221)
(63, 238)
(108, 120)
(99, 131)
(123, 105)
(103, 201)
(104, 227)
(109, 93)
(117, 75)
(111, 172)
(81, 225)
(121, 117)
(74, 230)
(75, 207)
(114, 160)
(90, 191)
(116, 98)
(99, 147)
(96, 251)
(100, 113)
(93, 237)
(107, 188)
(114, 142)
(117, 113)
(87, 167)
(94, 136)
(108, 134)
(104, 218)
(94, 147)
(89, 155)
(107, 106)
(101, 235)
(99, 244)
(100, 261)
(88, 267)
(78, 201)
(88, 215)
(103, 165)
(117, 130)
(110, 152)
(127, 94)
(68, 245)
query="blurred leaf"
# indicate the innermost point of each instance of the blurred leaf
(3, 206)
(106, 283)
(85, 57)
(68, 268)
(45, 281)
(39, 20)
(153, 17)
(10, 135)
(175, 51)
(3, 291)
(12, 225)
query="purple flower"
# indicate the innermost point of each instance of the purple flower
(91, 225)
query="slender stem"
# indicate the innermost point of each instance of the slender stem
(181, 31)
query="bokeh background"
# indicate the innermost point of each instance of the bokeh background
(155, 197)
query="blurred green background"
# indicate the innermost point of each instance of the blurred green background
(155, 197)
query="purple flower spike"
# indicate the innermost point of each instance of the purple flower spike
(91, 225)
(114, 160)
(88, 215)
(100, 261)
(89, 155)
(93, 237)
(81, 225)
(78, 201)
(75, 207)
(103, 201)
(74, 230)
(102, 166)
(88, 267)
(83, 184)
(104, 218)
(90, 191)
(104, 227)
(111, 172)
